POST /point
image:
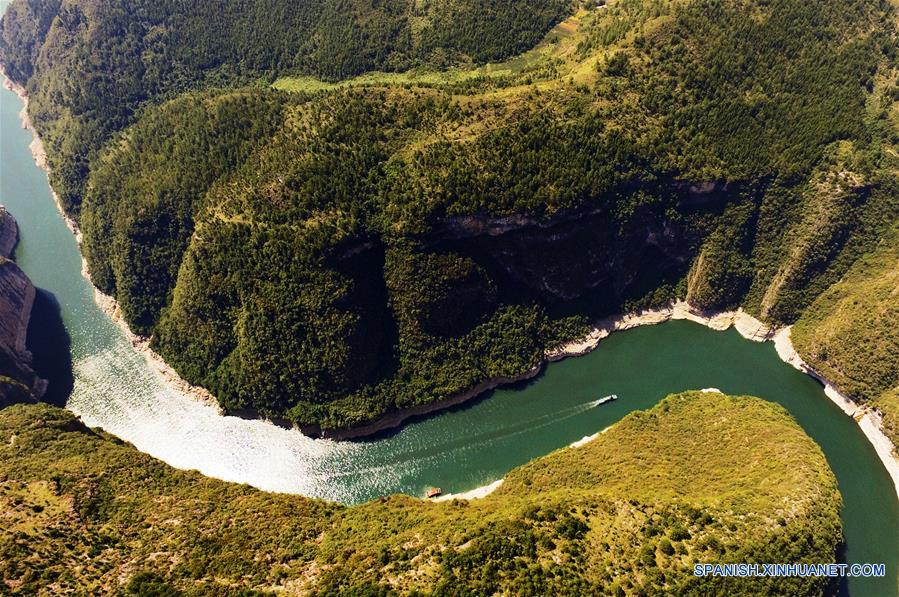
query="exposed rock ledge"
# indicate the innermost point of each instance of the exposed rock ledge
(748, 326)
(18, 381)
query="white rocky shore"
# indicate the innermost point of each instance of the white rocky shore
(748, 326)
(476, 493)
(868, 419)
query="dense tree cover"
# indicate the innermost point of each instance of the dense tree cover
(722, 270)
(760, 95)
(483, 31)
(329, 257)
(144, 194)
(629, 512)
(91, 64)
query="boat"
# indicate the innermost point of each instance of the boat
(434, 492)
(608, 398)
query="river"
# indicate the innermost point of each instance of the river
(114, 387)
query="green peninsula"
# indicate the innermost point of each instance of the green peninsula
(702, 477)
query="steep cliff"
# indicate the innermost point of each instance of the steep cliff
(9, 233)
(18, 382)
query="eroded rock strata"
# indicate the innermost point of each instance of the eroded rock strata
(18, 381)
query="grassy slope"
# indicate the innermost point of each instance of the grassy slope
(850, 332)
(701, 477)
(559, 43)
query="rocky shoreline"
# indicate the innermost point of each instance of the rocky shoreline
(749, 327)
(473, 494)
(868, 419)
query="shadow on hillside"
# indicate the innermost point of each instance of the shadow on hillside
(50, 346)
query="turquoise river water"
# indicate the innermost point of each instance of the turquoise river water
(114, 387)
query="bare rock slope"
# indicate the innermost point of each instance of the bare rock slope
(18, 381)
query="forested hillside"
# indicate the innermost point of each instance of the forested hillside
(864, 306)
(89, 65)
(366, 245)
(699, 478)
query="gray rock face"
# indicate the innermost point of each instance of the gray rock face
(16, 300)
(565, 258)
(9, 233)
(18, 381)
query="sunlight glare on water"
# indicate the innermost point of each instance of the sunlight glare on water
(115, 388)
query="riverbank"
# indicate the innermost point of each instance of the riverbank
(106, 303)
(397, 418)
(37, 149)
(868, 419)
(748, 326)
(475, 494)
(745, 324)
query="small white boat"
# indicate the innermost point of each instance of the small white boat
(605, 399)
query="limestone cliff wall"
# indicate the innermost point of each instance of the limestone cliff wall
(18, 381)
(9, 233)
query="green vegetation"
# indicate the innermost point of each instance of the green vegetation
(699, 478)
(90, 65)
(153, 191)
(332, 249)
(850, 332)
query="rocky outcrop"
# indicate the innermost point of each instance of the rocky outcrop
(18, 381)
(748, 326)
(569, 258)
(9, 233)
